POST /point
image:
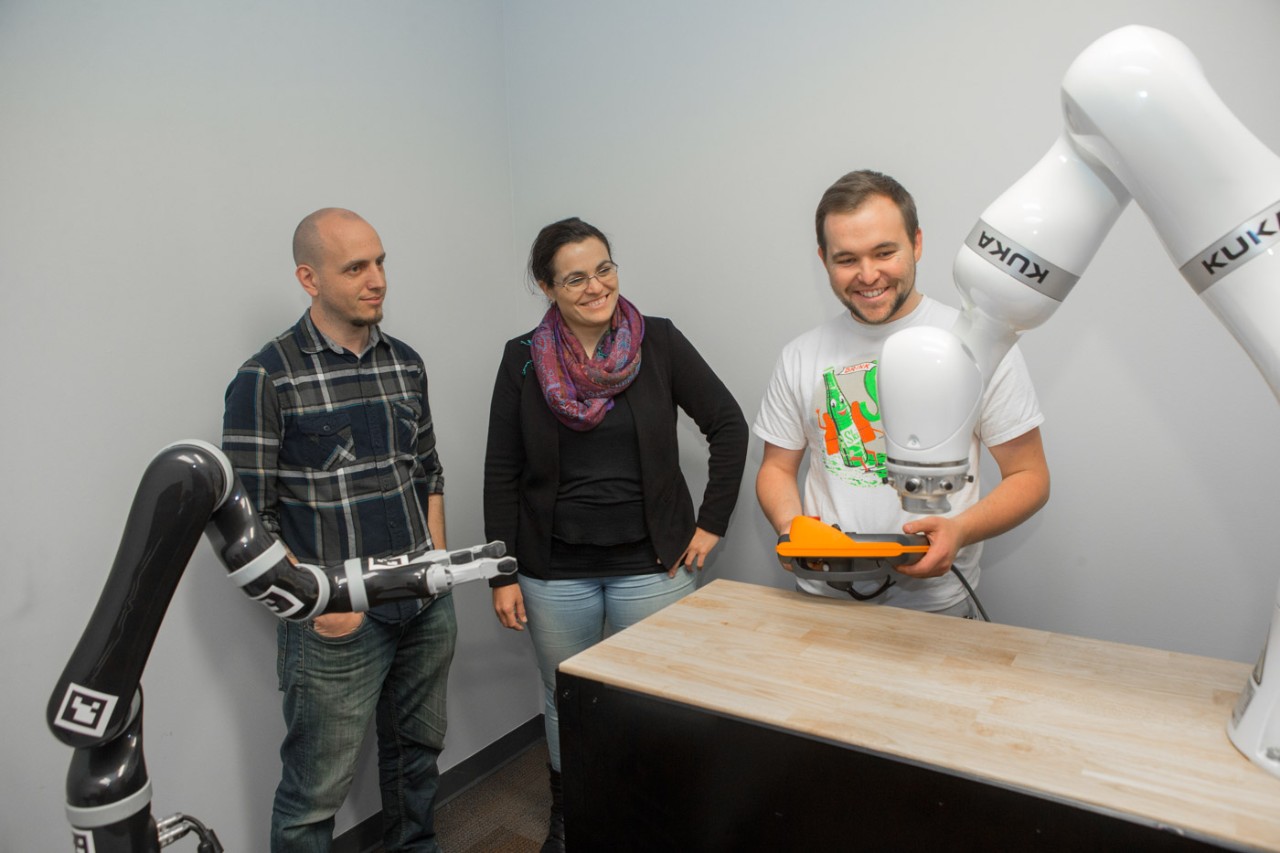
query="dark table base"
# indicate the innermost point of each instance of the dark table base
(644, 774)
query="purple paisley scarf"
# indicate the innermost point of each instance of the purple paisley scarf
(579, 389)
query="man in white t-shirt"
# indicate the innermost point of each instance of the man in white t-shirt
(823, 398)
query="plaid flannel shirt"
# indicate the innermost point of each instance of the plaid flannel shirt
(336, 450)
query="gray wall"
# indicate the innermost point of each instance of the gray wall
(156, 155)
(700, 136)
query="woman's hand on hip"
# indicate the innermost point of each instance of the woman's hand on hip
(695, 554)
(508, 603)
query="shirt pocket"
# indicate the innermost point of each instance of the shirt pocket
(321, 441)
(408, 418)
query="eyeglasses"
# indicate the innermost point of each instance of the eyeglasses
(607, 272)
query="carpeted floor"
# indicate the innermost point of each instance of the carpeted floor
(505, 812)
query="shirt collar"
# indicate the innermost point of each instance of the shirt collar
(314, 340)
(881, 331)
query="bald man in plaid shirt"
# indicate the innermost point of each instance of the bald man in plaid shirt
(330, 430)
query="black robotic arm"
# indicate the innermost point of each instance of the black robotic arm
(190, 489)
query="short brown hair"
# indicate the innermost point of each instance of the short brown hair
(852, 191)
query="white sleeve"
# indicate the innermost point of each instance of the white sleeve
(780, 420)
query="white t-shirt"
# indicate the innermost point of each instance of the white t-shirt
(843, 482)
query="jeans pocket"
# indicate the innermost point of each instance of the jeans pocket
(341, 639)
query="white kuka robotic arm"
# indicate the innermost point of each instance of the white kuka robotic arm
(1142, 123)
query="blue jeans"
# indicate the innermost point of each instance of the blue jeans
(568, 616)
(394, 672)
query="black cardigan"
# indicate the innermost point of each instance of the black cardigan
(522, 459)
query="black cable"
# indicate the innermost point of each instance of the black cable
(863, 596)
(972, 595)
(209, 842)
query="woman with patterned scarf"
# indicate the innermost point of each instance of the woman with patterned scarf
(582, 472)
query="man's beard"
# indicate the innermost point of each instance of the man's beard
(898, 302)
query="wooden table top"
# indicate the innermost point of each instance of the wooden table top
(1125, 728)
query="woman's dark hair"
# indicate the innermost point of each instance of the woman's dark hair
(551, 238)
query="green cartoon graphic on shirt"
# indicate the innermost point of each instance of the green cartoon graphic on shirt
(854, 445)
